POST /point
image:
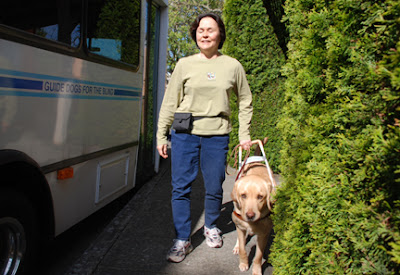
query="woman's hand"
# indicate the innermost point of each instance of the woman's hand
(162, 150)
(245, 144)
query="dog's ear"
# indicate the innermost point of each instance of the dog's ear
(234, 196)
(270, 196)
(269, 201)
(233, 193)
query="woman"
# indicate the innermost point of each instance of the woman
(201, 85)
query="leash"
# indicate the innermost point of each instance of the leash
(233, 152)
(242, 166)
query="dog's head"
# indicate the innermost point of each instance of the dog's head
(251, 196)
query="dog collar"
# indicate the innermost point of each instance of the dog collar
(241, 218)
(238, 216)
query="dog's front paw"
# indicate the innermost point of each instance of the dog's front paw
(257, 271)
(243, 267)
(236, 248)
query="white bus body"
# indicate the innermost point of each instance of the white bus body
(69, 132)
(86, 115)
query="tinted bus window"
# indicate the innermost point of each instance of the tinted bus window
(54, 20)
(114, 29)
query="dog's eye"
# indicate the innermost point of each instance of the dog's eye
(244, 196)
(260, 197)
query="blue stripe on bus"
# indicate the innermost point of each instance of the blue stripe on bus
(8, 82)
(58, 95)
(56, 78)
(126, 93)
(18, 83)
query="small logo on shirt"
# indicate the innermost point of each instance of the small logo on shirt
(211, 76)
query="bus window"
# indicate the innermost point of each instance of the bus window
(55, 20)
(114, 29)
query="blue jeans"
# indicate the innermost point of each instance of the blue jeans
(187, 152)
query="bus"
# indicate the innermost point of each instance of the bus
(81, 82)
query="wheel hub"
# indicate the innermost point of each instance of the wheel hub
(12, 245)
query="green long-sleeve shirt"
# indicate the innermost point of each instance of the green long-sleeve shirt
(202, 87)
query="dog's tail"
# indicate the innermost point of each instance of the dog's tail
(257, 151)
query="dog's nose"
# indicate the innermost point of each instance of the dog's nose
(250, 215)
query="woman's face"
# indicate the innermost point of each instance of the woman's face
(207, 35)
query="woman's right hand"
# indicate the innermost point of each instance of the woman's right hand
(245, 144)
(162, 150)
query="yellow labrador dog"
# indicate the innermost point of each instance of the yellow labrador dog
(252, 195)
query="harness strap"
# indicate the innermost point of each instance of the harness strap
(201, 117)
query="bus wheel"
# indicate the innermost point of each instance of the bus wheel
(18, 233)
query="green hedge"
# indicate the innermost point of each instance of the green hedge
(338, 210)
(251, 40)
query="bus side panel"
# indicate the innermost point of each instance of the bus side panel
(78, 197)
(59, 107)
(55, 108)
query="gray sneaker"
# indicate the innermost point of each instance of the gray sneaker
(179, 250)
(213, 237)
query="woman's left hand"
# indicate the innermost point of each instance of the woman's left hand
(245, 144)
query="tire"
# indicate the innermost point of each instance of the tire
(19, 233)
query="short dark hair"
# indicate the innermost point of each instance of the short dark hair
(217, 19)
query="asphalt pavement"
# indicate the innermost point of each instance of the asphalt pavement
(137, 240)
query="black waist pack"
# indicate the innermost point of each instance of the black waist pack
(183, 122)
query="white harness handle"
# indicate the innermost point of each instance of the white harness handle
(256, 159)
